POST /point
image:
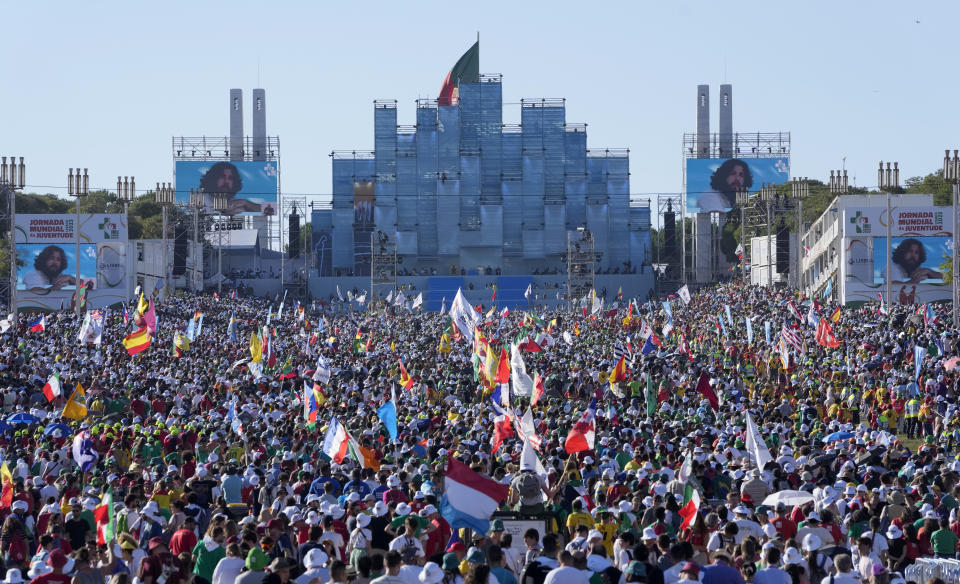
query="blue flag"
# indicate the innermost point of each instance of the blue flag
(918, 354)
(648, 346)
(828, 288)
(766, 330)
(726, 307)
(388, 415)
(749, 322)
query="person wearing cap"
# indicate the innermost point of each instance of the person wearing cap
(811, 525)
(360, 540)
(256, 564)
(408, 543)
(60, 566)
(161, 564)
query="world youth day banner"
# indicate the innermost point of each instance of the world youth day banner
(921, 244)
(47, 254)
(712, 183)
(250, 187)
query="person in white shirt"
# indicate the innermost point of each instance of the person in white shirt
(842, 572)
(228, 569)
(566, 573)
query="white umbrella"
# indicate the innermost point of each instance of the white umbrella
(788, 498)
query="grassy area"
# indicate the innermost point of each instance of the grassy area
(912, 443)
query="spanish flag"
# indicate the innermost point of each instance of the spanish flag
(619, 372)
(137, 342)
(835, 317)
(405, 380)
(75, 409)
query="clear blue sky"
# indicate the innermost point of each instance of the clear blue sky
(105, 85)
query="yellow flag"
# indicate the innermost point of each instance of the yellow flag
(256, 354)
(75, 409)
(491, 364)
(444, 343)
(143, 305)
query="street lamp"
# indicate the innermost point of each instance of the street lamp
(78, 186)
(12, 179)
(951, 173)
(165, 196)
(220, 206)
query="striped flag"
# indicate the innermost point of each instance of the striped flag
(792, 337)
(335, 441)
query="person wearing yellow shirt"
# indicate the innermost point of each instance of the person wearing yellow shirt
(608, 528)
(577, 518)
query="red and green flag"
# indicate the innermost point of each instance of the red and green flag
(466, 70)
(106, 522)
(691, 504)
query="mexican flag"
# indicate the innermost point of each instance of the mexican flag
(106, 522)
(691, 503)
(466, 70)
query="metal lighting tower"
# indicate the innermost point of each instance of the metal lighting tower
(383, 263)
(12, 179)
(887, 181)
(296, 281)
(951, 173)
(220, 206)
(581, 262)
(78, 186)
(165, 196)
(799, 190)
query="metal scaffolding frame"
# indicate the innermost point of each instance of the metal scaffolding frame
(293, 271)
(383, 264)
(581, 265)
(667, 265)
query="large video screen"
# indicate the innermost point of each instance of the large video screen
(914, 260)
(712, 183)
(50, 267)
(251, 187)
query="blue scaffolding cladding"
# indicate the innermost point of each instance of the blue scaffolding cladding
(463, 192)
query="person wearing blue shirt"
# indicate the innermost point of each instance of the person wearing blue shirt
(316, 487)
(232, 486)
(356, 485)
(721, 572)
(772, 574)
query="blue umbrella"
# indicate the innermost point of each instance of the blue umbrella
(5, 427)
(57, 427)
(22, 418)
(836, 436)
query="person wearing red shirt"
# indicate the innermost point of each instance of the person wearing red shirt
(184, 539)
(61, 565)
(783, 524)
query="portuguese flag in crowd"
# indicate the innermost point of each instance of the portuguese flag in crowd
(466, 70)
(691, 503)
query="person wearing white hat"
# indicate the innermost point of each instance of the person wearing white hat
(13, 577)
(431, 573)
(315, 561)
(360, 543)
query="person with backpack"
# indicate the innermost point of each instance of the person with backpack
(408, 545)
(526, 493)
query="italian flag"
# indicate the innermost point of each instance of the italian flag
(691, 503)
(52, 388)
(106, 522)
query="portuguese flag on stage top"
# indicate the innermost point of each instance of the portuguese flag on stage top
(691, 503)
(467, 70)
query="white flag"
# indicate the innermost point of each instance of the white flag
(530, 461)
(399, 300)
(567, 337)
(749, 330)
(755, 445)
(339, 295)
(522, 384)
(322, 373)
(417, 302)
(389, 297)
(597, 305)
(464, 316)
(362, 299)
(529, 291)
(684, 294)
(6, 323)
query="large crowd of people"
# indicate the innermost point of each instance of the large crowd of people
(747, 435)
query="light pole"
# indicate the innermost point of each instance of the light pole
(220, 206)
(78, 186)
(800, 189)
(196, 207)
(886, 181)
(165, 196)
(951, 173)
(12, 179)
(126, 192)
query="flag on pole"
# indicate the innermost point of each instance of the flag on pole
(388, 414)
(6, 494)
(528, 292)
(825, 336)
(464, 316)
(39, 325)
(919, 352)
(417, 302)
(538, 390)
(691, 504)
(137, 342)
(835, 317)
(684, 294)
(749, 322)
(405, 380)
(469, 499)
(83, 452)
(704, 389)
(582, 435)
(882, 309)
(335, 441)
(106, 522)
(76, 408)
(51, 390)
(755, 444)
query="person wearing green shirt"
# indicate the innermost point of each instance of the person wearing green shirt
(944, 540)
(207, 554)
(395, 527)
